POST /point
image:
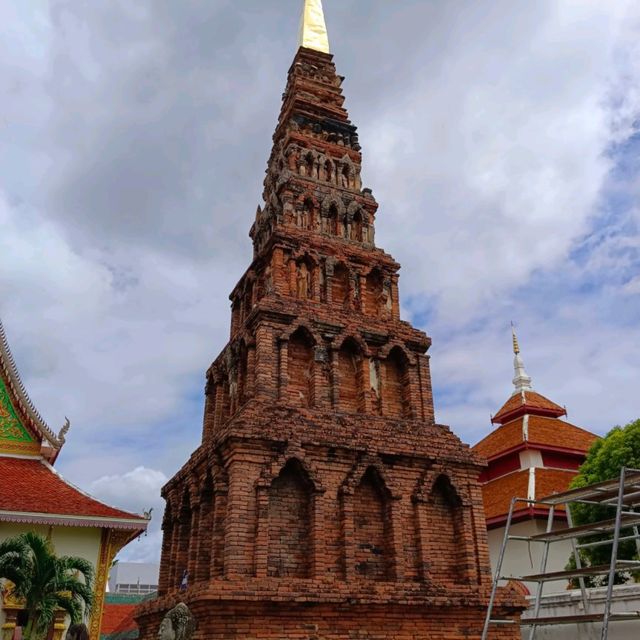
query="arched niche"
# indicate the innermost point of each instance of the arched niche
(373, 545)
(373, 293)
(357, 226)
(205, 537)
(340, 289)
(446, 518)
(396, 391)
(350, 377)
(290, 515)
(301, 368)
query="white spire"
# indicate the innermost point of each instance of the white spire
(521, 380)
(313, 29)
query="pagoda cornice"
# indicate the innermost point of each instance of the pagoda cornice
(338, 151)
(283, 311)
(259, 420)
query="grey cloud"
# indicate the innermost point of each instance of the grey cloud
(133, 143)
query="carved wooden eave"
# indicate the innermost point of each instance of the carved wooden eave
(29, 415)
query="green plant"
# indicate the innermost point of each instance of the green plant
(619, 448)
(46, 582)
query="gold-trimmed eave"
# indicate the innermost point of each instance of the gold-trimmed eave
(28, 449)
(29, 415)
(135, 526)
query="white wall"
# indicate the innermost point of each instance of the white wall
(67, 541)
(626, 598)
(522, 558)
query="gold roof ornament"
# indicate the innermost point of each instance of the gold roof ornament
(313, 29)
(516, 345)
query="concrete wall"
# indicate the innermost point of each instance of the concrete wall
(626, 598)
(67, 541)
(522, 558)
(143, 573)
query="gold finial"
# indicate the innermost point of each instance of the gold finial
(516, 345)
(313, 29)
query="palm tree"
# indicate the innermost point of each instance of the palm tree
(46, 582)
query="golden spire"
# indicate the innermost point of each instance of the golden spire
(516, 345)
(313, 29)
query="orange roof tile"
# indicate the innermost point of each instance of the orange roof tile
(558, 433)
(544, 431)
(497, 494)
(118, 618)
(527, 402)
(31, 490)
(502, 439)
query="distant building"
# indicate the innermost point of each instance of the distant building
(35, 497)
(136, 578)
(532, 454)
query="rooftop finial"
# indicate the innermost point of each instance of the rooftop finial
(313, 29)
(516, 345)
(521, 380)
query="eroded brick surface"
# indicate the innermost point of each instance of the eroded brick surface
(324, 500)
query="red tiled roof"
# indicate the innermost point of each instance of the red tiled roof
(31, 486)
(527, 402)
(544, 431)
(118, 618)
(497, 494)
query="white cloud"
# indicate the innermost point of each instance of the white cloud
(498, 165)
(133, 163)
(136, 491)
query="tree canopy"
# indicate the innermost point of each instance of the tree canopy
(46, 582)
(619, 448)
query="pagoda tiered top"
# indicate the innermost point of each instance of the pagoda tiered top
(532, 452)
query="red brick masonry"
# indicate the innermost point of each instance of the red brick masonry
(324, 501)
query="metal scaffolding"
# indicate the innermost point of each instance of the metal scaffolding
(623, 495)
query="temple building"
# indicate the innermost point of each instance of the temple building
(533, 453)
(324, 500)
(35, 497)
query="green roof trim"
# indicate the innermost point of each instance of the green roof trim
(133, 634)
(11, 428)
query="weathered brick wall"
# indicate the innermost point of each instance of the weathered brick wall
(304, 620)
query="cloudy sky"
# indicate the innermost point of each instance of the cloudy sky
(501, 138)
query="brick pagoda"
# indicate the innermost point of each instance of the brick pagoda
(324, 500)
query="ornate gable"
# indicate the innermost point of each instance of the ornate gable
(14, 437)
(22, 429)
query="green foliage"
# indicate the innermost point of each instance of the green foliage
(619, 448)
(46, 582)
